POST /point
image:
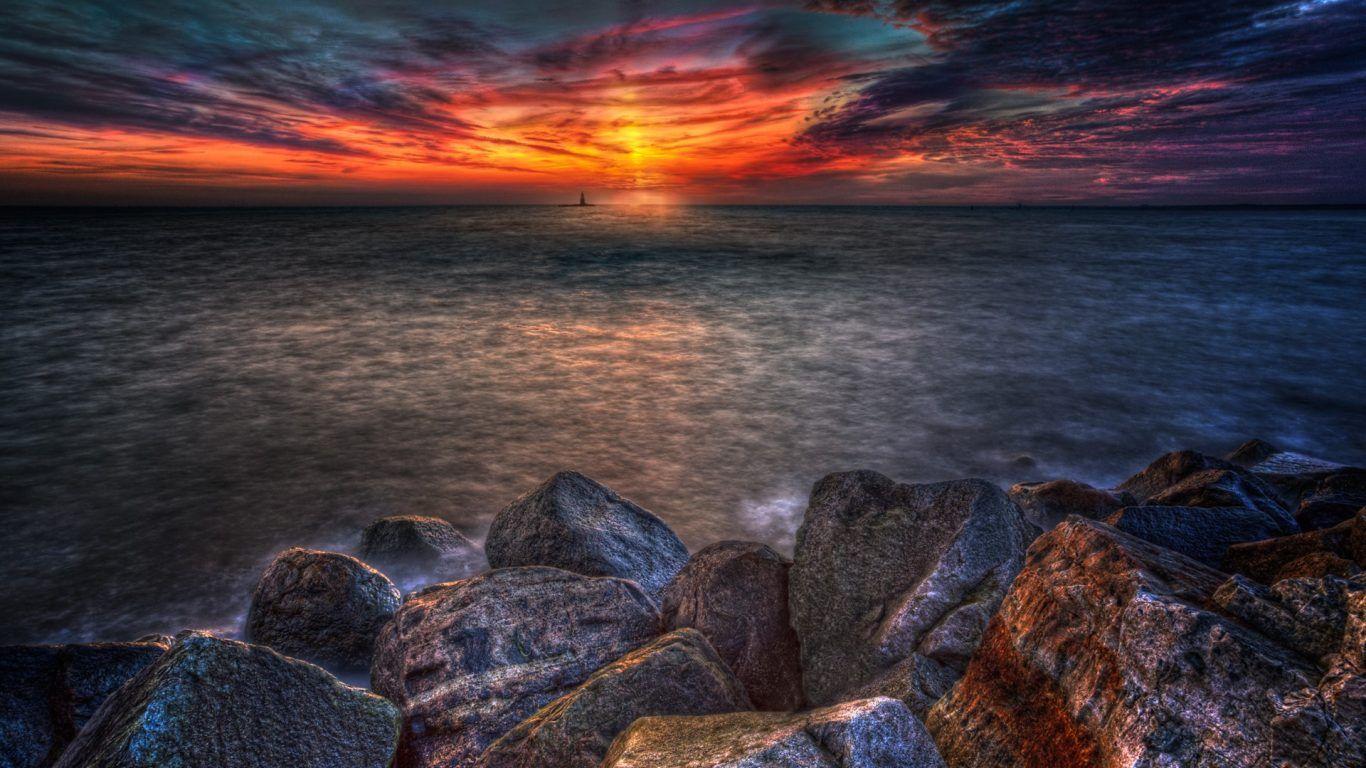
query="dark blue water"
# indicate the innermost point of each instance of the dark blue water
(185, 392)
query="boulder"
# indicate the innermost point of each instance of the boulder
(212, 702)
(678, 674)
(1325, 510)
(1047, 504)
(892, 585)
(575, 523)
(1338, 551)
(1104, 653)
(322, 607)
(1224, 488)
(868, 733)
(1252, 452)
(1168, 470)
(467, 661)
(735, 594)
(412, 548)
(1257, 606)
(1198, 532)
(49, 692)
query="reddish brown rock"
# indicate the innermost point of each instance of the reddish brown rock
(1338, 551)
(1047, 504)
(1168, 470)
(735, 594)
(868, 733)
(678, 674)
(469, 660)
(1104, 654)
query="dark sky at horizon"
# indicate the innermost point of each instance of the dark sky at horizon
(946, 101)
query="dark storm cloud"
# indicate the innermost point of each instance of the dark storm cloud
(1071, 82)
(229, 70)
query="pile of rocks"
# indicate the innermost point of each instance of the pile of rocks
(1206, 612)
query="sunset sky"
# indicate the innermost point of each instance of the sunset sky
(337, 101)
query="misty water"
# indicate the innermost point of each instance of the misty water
(184, 393)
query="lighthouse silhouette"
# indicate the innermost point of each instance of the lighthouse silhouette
(582, 200)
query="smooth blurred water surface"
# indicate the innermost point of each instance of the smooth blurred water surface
(185, 392)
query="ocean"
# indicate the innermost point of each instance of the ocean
(185, 392)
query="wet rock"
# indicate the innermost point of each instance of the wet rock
(1047, 504)
(1198, 532)
(410, 548)
(322, 607)
(1168, 470)
(1338, 551)
(1252, 452)
(1259, 608)
(678, 674)
(1323, 725)
(575, 523)
(1222, 488)
(213, 702)
(884, 572)
(735, 593)
(469, 660)
(1325, 510)
(49, 692)
(869, 733)
(1104, 653)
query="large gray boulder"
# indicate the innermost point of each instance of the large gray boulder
(322, 607)
(1203, 533)
(1046, 504)
(1107, 652)
(869, 733)
(678, 674)
(49, 692)
(575, 523)
(892, 585)
(215, 703)
(735, 593)
(416, 550)
(469, 660)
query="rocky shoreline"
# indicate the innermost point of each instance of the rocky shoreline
(1206, 612)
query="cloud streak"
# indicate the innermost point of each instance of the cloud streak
(941, 101)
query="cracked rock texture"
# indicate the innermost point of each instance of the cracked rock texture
(469, 660)
(223, 704)
(575, 523)
(892, 585)
(322, 607)
(49, 692)
(1339, 551)
(869, 733)
(678, 674)
(735, 593)
(1106, 653)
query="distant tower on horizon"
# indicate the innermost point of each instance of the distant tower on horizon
(582, 200)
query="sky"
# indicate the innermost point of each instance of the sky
(812, 101)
